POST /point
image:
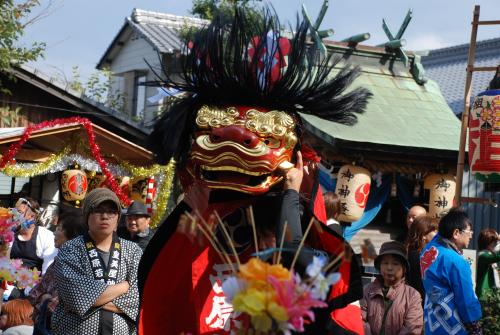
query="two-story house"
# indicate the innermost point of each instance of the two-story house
(145, 41)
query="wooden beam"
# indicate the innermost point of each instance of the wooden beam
(483, 201)
(31, 155)
(465, 115)
(483, 68)
(486, 23)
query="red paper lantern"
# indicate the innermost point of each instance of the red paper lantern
(74, 185)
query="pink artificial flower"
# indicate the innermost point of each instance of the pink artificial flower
(296, 299)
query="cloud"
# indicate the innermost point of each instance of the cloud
(425, 42)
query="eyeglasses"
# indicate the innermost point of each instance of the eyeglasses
(27, 203)
(470, 232)
(107, 211)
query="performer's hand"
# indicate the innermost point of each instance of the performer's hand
(293, 177)
(267, 240)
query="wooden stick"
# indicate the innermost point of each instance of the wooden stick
(229, 240)
(282, 242)
(209, 234)
(301, 243)
(254, 229)
(329, 266)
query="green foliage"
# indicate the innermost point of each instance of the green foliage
(99, 88)
(207, 9)
(491, 313)
(13, 20)
(10, 117)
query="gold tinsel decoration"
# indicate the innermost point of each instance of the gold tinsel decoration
(12, 170)
(164, 191)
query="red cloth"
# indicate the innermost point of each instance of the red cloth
(349, 318)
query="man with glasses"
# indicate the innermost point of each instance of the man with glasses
(451, 305)
(96, 274)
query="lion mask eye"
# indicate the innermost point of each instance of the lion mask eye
(272, 142)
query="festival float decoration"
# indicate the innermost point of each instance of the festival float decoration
(353, 188)
(441, 189)
(74, 185)
(484, 137)
(12, 271)
(99, 172)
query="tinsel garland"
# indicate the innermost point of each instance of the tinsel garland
(20, 170)
(165, 182)
(164, 174)
(94, 148)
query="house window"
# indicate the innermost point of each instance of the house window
(12, 188)
(139, 96)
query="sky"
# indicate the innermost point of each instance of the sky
(78, 32)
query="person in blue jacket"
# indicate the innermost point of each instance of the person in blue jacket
(451, 305)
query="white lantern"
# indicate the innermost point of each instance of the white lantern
(441, 193)
(353, 188)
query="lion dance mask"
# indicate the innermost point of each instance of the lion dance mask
(234, 130)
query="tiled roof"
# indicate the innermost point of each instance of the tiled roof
(400, 113)
(162, 30)
(447, 66)
(159, 29)
(48, 81)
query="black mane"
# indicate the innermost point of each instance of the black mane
(217, 69)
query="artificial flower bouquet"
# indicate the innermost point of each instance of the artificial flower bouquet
(275, 300)
(12, 271)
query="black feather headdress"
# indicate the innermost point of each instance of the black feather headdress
(245, 63)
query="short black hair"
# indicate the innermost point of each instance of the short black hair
(72, 224)
(455, 219)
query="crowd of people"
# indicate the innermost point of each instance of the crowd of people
(89, 262)
(424, 284)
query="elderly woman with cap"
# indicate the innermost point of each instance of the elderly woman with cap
(389, 305)
(96, 274)
(137, 222)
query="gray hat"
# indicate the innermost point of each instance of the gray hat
(392, 248)
(96, 197)
(138, 208)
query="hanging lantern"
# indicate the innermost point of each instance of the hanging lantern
(95, 180)
(139, 189)
(484, 137)
(74, 185)
(353, 188)
(441, 188)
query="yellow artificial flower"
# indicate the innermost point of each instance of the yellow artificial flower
(255, 269)
(252, 302)
(277, 312)
(262, 323)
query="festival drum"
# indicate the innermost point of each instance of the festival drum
(353, 188)
(484, 136)
(441, 189)
(74, 185)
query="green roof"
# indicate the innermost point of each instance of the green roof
(401, 113)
